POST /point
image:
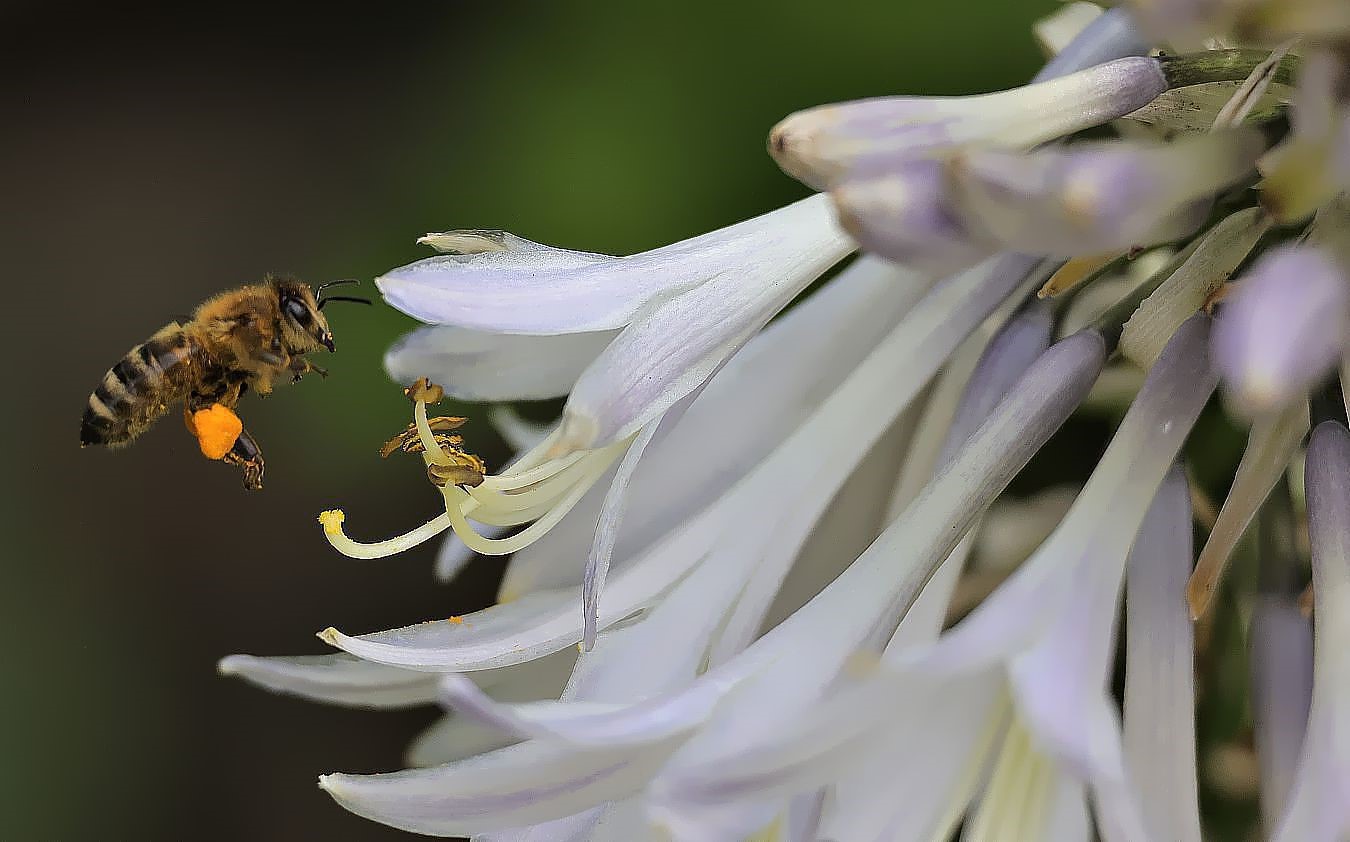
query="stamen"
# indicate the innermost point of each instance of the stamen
(332, 530)
(503, 546)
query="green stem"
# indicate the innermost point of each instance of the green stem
(1222, 66)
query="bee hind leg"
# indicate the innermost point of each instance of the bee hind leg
(248, 456)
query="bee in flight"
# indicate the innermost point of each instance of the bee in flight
(241, 339)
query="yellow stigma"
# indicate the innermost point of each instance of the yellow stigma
(332, 521)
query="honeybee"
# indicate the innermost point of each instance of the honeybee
(241, 339)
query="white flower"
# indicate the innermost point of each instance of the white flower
(758, 531)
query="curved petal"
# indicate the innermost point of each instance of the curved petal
(1159, 709)
(337, 679)
(518, 785)
(526, 287)
(1319, 803)
(474, 365)
(677, 344)
(762, 394)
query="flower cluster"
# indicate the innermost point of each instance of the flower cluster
(766, 583)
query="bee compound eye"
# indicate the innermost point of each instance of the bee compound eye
(296, 310)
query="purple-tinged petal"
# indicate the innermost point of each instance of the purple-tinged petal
(1282, 683)
(1319, 802)
(821, 145)
(904, 213)
(1159, 709)
(1283, 329)
(1098, 197)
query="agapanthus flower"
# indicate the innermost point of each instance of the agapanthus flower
(766, 579)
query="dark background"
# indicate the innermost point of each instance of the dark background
(153, 155)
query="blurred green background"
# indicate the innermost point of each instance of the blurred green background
(155, 154)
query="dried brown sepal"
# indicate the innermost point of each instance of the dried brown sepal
(425, 391)
(409, 442)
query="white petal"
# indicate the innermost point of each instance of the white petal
(452, 738)
(1159, 710)
(337, 679)
(762, 394)
(474, 365)
(674, 346)
(606, 532)
(803, 653)
(540, 623)
(530, 288)
(518, 785)
(936, 757)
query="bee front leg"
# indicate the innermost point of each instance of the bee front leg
(248, 456)
(300, 366)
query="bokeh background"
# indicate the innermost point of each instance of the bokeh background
(155, 154)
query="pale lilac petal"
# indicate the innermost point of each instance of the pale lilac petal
(1094, 537)
(1283, 329)
(1159, 710)
(1113, 35)
(1282, 683)
(473, 365)
(1273, 442)
(1319, 802)
(819, 145)
(905, 213)
(336, 679)
(1096, 197)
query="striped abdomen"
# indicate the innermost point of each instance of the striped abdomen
(140, 388)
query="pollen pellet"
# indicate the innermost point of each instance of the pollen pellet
(216, 428)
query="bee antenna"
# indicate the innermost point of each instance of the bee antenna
(344, 282)
(323, 301)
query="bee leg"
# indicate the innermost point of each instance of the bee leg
(301, 366)
(248, 456)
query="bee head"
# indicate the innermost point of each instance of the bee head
(303, 326)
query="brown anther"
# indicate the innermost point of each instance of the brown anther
(466, 471)
(424, 390)
(410, 442)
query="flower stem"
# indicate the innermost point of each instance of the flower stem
(1223, 66)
